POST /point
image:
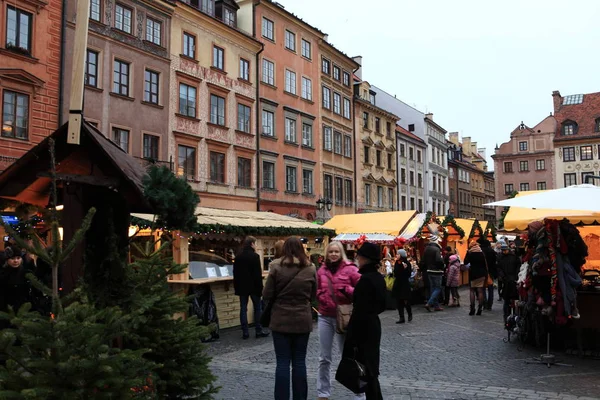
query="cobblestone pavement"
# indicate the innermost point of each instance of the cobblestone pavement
(441, 355)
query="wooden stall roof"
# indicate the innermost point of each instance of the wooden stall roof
(391, 222)
(255, 219)
(413, 226)
(96, 160)
(465, 224)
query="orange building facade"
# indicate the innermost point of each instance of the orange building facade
(30, 54)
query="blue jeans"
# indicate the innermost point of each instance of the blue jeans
(435, 286)
(244, 312)
(290, 348)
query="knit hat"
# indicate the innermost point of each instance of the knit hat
(503, 246)
(402, 253)
(370, 250)
(12, 251)
(453, 258)
(434, 239)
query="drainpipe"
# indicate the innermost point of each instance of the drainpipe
(258, 114)
(355, 139)
(62, 60)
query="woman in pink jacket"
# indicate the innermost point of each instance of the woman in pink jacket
(337, 276)
(453, 279)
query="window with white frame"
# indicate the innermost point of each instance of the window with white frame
(290, 130)
(244, 69)
(347, 107)
(268, 125)
(95, 10)
(346, 78)
(307, 135)
(151, 86)
(326, 98)
(349, 191)
(390, 198)
(150, 150)
(207, 6)
(306, 49)
(186, 162)
(121, 78)
(189, 45)
(244, 172)
(217, 167)
(290, 81)
(524, 187)
(268, 29)
(121, 138)
(218, 57)
(217, 110)
(325, 66)
(328, 186)
(153, 31)
(307, 181)
(290, 178)
(379, 196)
(123, 18)
(339, 190)
(347, 146)
(268, 175)
(243, 118)
(570, 179)
(337, 142)
(91, 68)
(306, 88)
(337, 103)
(268, 73)
(540, 165)
(290, 40)
(327, 138)
(187, 100)
(15, 115)
(367, 194)
(337, 73)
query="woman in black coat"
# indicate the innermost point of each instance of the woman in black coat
(401, 289)
(478, 273)
(15, 288)
(363, 336)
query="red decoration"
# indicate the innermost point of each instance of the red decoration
(360, 241)
(399, 242)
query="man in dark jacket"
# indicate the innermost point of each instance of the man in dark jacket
(433, 263)
(490, 258)
(248, 283)
(508, 270)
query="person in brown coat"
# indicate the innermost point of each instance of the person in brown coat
(291, 285)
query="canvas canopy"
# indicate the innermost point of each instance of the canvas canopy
(381, 238)
(390, 223)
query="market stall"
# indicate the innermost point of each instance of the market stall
(210, 251)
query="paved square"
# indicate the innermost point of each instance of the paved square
(441, 355)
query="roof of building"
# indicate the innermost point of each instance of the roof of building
(408, 133)
(341, 53)
(290, 14)
(583, 109)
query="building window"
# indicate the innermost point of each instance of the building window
(372, 98)
(217, 167)
(243, 120)
(186, 162)
(569, 128)
(95, 10)
(268, 29)
(348, 189)
(91, 68)
(570, 179)
(207, 7)
(121, 138)
(189, 45)
(365, 120)
(121, 78)
(391, 198)
(522, 146)
(585, 175)
(586, 153)
(327, 138)
(15, 115)
(377, 125)
(366, 152)
(541, 186)
(244, 172)
(268, 171)
(153, 30)
(151, 147)
(325, 66)
(290, 40)
(347, 107)
(388, 129)
(337, 100)
(326, 98)
(123, 18)
(268, 119)
(187, 100)
(412, 205)
(339, 190)
(420, 179)
(306, 49)
(420, 205)
(508, 166)
(307, 181)
(389, 161)
(402, 150)
(523, 166)
(337, 73)
(244, 69)
(306, 88)
(268, 75)
(378, 158)
(411, 154)
(290, 130)
(569, 154)
(402, 176)
(597, 125)
(367, 194)
(290, 82)
(151, 86)
(379, 196)
(337, 142)
(540, 165)
(328, 186)
(348, 146)
(218, 57)
(346, 78)
(411, 178)
(403, 203)
(229, 17)
(419, 155)
(508, 188)
(217, 110)
(307, 135)
(524, 187)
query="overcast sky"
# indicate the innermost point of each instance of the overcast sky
(480, 66)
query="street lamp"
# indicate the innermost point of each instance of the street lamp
(328, 204)
(320, 204)
(324, 205)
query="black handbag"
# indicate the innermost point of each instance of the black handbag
(265, 317)
(352, 374)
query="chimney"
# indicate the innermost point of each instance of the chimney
(482, 152)
(358, 72)
(453, 137)
(466, 141)
(557, 99)
(429, 116)
(326, 38)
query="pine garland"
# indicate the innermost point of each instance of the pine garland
(450, 220)
(476, 228)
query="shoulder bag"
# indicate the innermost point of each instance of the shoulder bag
(488, 280)
(265, 317)
(352, 374)
(343, 312)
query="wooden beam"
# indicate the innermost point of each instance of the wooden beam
(85, 179)
(78, 71)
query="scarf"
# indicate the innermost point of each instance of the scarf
(475, 248)
(333, 266)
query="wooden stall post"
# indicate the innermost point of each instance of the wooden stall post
(181, 255)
